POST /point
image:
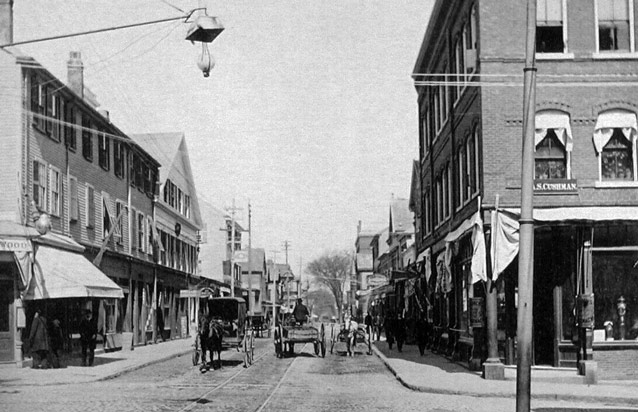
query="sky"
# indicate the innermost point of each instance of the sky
(310, 113)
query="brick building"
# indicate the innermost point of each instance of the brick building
(468, 76)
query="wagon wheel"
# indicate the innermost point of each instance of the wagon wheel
(316, 344)
(323, 341)
(278, 343)
(247, 349)
(332, 338)
(251, 348)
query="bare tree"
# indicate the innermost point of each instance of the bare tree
(331, 270)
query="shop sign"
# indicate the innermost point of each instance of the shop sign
(555, 186)
(477, 314)
(585, 310)
(14, 245)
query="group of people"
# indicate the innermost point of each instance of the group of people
(46, 341)
(395, 329)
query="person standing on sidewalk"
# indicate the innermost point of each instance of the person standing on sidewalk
(421, 333)
(400, 332)
(57, 342)
(39, 341)
(88, 337)
(388, 326)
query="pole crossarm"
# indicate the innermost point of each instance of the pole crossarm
(83, 33)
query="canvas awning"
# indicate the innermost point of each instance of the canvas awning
(559, 122)
(59, 273)
(505, 227)
(475, 224)
(614, 119)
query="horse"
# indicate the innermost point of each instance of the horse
(215, 337)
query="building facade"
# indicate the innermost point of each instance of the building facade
(63, 158)
(468, 76)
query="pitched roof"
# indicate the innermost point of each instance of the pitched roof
(401, 219)
(257, 259)
(170, 150)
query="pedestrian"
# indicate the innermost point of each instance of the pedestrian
(400, 332)
(378, 320)
(88, 337)
(57, 342)
(388, 326)
(39, 341)
(368, 322)
(160, 324)
(421, 333)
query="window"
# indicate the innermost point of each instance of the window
(437, 111)
(439, 201)
(74, 202)
(87, 139)
(180, 201)
(107, 218)
(149, 235)
(40, 184)
(118, 159)
(471, 175)
(615, 143)
(141, 232)
(187, 206)
(55, 183)
(549, 159)
(37, 102)
(119, 216)
(71, 131)
(448, 200)
(550, 31)
(615, 25)
(167, 190)
(443, 99)
(459, 57)
(90, 207)
(104, 150)
(470, 42)
(617, 159)
(133, 229)
(146, 173)
(53, 114)
(462, 175)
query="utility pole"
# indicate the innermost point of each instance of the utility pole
(232, 210)
(286, 246)
(250, 267)
(525, 313)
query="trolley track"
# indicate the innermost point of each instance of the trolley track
(231, 384)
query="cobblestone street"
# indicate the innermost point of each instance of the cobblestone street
(302, 382)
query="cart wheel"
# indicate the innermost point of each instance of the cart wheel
(251, 348)
(316, 348)
(278, 345)
(195, 358)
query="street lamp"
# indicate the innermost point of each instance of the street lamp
(204, 30)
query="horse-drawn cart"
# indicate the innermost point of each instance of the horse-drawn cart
(290, 333)
(230, 314)
(347, 337)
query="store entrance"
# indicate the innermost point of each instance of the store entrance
(6, 313)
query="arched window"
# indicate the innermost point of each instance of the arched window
(553, 145)
(615, 142)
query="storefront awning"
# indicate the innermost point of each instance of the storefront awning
(505, 227)
(475, 224)
(573, 214)
(614, 119)
(63, 274)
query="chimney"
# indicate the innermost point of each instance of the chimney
(75, 73)
(6, 21)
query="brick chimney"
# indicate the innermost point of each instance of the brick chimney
(6, 21)
(75, 73)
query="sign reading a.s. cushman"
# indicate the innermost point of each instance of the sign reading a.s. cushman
(14, 245)
(555, 186)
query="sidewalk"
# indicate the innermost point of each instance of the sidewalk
(436, 374)
(106, 365)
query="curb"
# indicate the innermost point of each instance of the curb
(142, 365)
(611, 400)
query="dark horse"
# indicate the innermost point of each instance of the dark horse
(211, 335)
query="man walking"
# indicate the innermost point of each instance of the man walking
(88, 337)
